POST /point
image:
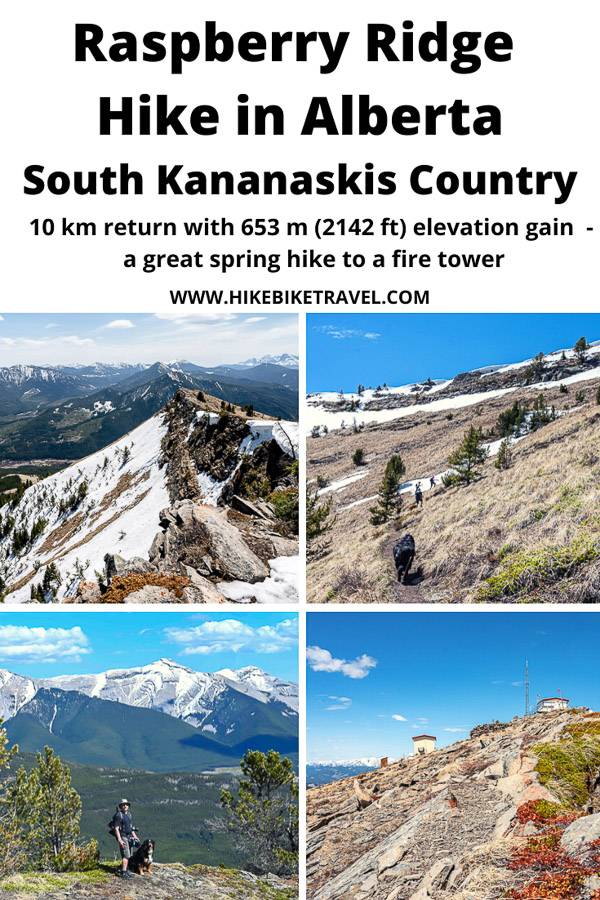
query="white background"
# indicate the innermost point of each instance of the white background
(546, 94)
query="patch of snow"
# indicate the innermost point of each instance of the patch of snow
(281, 586)
(318, 416)
(105, 407)
(210, 487)
(336, 486)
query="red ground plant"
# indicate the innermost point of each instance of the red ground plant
(555, 874)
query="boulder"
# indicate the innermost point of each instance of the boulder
(204, 539)
(116, 565)
(258, 508)
(580, 834)
(151, 594)
(201, 590)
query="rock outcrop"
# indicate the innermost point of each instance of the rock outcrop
(166, 882)
(445, 825)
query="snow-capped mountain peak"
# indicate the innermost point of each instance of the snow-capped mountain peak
(289, 360)
(197, 698)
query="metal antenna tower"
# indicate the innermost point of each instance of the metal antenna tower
(526, 682)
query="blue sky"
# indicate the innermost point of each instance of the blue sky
(206, 338)
(401, 348)
(382, 677)
(56, 643)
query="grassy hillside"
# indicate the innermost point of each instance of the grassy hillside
(527, 533)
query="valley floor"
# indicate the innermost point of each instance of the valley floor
(527, 533)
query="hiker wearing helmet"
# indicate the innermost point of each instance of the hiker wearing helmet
(123, 829)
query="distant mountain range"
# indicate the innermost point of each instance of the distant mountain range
(161, 717)
(319, 773)
(70, 412)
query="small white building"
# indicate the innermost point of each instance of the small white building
(552, 704)
(423, 743)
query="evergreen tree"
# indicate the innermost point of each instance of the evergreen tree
(469, 456)
(264, 815)
(504, 457)
(389, 500)
(318, 512)
(48, 809)
(581, 347)
(358, 457)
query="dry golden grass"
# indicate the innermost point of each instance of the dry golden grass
(550, 497)
(124, 585)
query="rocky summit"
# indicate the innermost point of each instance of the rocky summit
(512, 811)
(166, 882)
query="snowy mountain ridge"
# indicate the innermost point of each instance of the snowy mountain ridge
(111, 503)
(339, 410)
(165, 685)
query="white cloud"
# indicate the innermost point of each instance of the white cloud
(344, 334)
(455, 730)
(22, 644)
(232, 636)
(322, 661)
(120, 323)
(398, 717)
(8, 342)
(1, 318)
(253, 319)
(422, 720)
(338, 703)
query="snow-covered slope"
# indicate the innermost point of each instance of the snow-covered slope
(110, 503)
(258, 684)
(114, 497)
(165, 685)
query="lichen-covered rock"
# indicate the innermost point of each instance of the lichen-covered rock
(166, 882)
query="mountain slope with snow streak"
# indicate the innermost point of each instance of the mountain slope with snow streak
(119, 501)
(125, 491)
(201, 699)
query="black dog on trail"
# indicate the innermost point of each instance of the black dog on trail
(404, 554)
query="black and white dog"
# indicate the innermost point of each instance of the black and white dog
(141, 861)
(404, 554)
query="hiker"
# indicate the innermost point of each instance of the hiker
(404, 554)
(432, 482)
(122, 828)
(418, 494)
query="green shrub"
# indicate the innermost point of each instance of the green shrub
(285, 503)
(569, 766)
(530, 570)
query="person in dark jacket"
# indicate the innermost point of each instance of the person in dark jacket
(404, 554)
(419, 494)
(124, 831)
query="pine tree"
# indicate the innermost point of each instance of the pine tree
(469, 456)
(264, 815)
(358, 457)
(389, 500)
(581, 347)
(49, 811)
(504, 456)
(318, 512)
